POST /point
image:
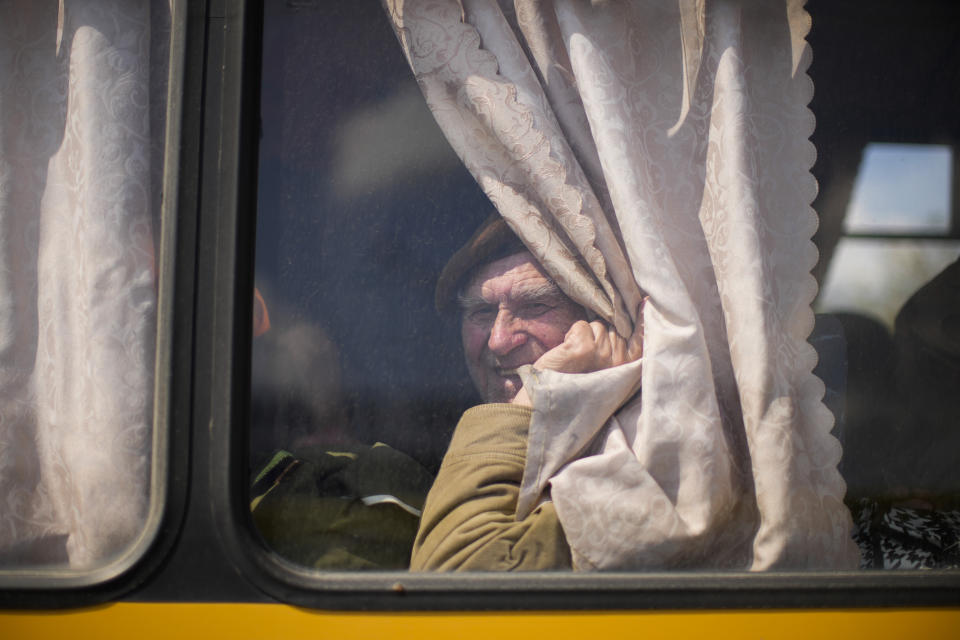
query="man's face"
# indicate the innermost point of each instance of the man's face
(512, 314)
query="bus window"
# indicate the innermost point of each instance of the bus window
(83, 121)
(368, 220)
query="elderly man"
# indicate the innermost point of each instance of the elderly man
(512, 314)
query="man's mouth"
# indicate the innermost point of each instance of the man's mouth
(506, 373)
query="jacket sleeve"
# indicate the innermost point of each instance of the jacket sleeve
(469, 518)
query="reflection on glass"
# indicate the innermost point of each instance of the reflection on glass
(876, 277)
(901, 188)
(896, 306)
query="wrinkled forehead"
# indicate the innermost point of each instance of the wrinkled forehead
(516, 267)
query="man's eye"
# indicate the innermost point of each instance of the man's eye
(481, 316)
(535, 309)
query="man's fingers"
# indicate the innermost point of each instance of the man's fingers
(590, 346)
(635, 346)
(601, 348)
(599, 331)
(579, 330)
(620, 354)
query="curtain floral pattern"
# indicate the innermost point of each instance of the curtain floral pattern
(82, 98)
(658, 149)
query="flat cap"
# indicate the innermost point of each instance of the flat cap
(491, 241)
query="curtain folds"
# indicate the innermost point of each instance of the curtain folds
(655, 149)
(82, 101)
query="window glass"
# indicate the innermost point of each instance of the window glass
(877, 276)
(365, 217)
(893, 297)
(81, 161)
(356, 381)
(902, 188)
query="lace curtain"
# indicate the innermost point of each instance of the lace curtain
(659, 149)
(82, 98)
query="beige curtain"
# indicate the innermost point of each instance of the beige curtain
(82, 92)
(661, 149)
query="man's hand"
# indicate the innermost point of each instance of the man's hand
(588, 347)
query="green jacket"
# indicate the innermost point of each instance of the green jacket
(354, 508)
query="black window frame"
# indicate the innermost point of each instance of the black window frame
(302, 586)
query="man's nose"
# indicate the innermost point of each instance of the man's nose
(506, 334)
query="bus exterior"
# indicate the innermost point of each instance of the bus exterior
(272, 169)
